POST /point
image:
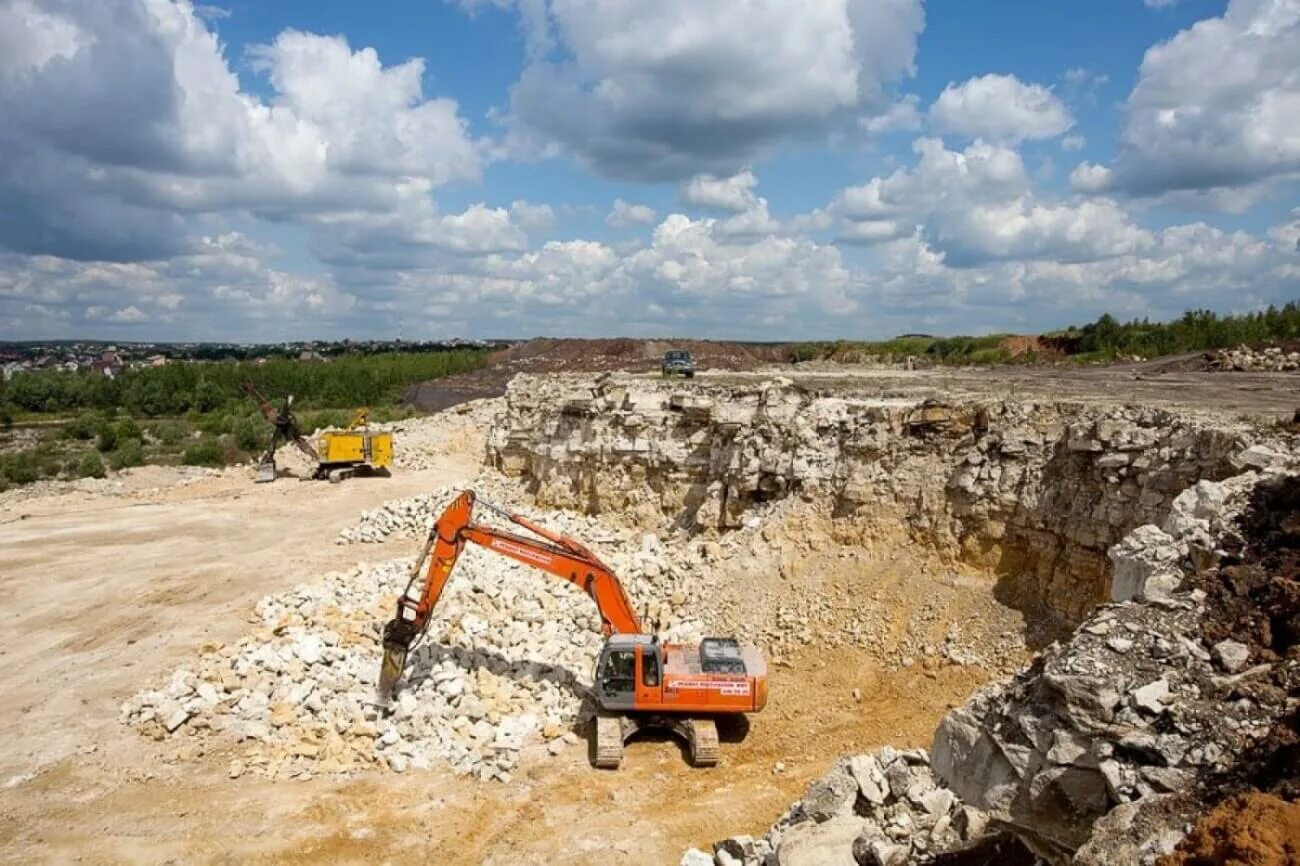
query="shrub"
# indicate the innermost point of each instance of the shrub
(250, 431)
(127, 428)
(20, 468)
(204, 453)
(168, 432)
(84, 426)
(107, 439)
(129, 453)
(90, 466)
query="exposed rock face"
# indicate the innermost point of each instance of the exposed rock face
(1135, 707)
(1103, 749)
(1033, 490)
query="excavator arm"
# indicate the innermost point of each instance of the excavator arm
(555, 554)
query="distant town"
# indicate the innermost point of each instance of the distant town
(111, 359)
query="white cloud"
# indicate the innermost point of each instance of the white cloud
(1000, 108)
(902, 116)
(670, 89)
(533, 217)
(125, 117)
(1218, 105)
(978, 205)
(942, 178)
(1090, 177)
(735, 193)
(625, 214)
(1073, 142)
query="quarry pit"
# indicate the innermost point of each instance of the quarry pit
(928, 564)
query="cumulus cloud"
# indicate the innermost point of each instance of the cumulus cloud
(1000, 108)
(902, 116)
(626, 214)
(1218, 105)
(735, 193)
(671, 89)
(122, 117)
(532, 217)
(978, 205)
(1090, 177)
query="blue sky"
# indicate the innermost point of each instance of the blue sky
(762, 169)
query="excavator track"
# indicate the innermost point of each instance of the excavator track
(609, 742)
(705, 751)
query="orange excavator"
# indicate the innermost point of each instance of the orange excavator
(640, 682)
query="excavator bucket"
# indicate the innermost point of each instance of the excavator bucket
(390, 671)
(398, 637)
(265, 471)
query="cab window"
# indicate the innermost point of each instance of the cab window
(650, 668)
(620, 672)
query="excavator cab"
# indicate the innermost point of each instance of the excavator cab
(616, 670)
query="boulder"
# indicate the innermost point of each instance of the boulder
(829, 843)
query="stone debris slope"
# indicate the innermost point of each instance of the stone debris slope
(1104, 749)
(885, 808)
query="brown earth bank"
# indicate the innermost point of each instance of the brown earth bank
(1245, 830)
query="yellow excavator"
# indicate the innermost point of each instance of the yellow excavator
(338, 454)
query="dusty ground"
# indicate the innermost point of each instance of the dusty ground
(1151, 383)
(104, 593)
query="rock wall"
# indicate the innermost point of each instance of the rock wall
(1036, 492)
(1106, 747)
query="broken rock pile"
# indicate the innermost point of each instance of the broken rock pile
(1107, 746)
(505, 664)
(1273, 359)
(881, 809)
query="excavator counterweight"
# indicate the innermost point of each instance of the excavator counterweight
(640, 681)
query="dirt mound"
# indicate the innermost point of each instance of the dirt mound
(1030, 344)
(567, 355)
(1255, 829)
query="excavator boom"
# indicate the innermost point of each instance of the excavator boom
(557, 554)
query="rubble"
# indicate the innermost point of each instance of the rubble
(505, 666)
(1270, 359)
(884, 807)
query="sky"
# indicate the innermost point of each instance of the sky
(737, 169)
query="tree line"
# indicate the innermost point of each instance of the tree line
(1197, 330)
(180, 388)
